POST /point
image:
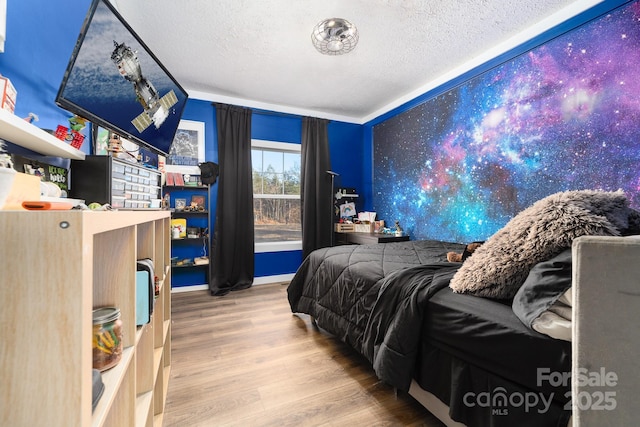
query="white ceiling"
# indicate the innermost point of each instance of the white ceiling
(258, 53)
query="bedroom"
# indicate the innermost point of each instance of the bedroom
(353, 173)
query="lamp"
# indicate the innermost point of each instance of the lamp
(334, 36)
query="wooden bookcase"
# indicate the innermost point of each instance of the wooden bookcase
(57, 267)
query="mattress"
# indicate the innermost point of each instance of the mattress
(487, 334)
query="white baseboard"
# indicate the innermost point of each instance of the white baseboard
(189, 288)
(264, 280)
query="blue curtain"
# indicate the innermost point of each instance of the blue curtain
(232, 268)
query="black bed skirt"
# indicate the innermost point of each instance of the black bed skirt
(478, 398)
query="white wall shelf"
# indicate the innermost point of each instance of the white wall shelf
(18, 131)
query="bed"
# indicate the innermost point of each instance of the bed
(472, 354)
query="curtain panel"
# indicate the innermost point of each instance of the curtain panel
(233, 241)
(316, 192)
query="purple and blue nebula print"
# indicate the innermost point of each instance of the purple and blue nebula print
(563, 116)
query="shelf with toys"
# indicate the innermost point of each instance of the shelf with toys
(190, 219)
(20, 132)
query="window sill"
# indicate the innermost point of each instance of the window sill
(278, 246)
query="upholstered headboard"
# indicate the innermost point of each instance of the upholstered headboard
(606, 330)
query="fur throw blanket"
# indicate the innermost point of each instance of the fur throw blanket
(498, 268)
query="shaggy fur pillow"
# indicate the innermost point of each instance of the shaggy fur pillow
(498, 268)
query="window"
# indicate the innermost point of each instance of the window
(276, 195)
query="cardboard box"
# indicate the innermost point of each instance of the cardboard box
(364, 228)
(7, 95)
(25, 188)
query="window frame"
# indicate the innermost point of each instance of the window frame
(292, 147)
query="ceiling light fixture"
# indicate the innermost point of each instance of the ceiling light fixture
(334, 36)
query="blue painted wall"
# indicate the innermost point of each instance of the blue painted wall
(39, 42)
(36, 53)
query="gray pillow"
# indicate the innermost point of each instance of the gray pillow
(547, 281)
(498, 268)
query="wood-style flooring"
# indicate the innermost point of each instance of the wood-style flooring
(245, 360)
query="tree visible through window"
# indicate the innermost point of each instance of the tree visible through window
(276, 191)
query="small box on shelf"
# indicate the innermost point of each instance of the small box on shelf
(345, 227)
(349, 227)
(8, 95)
(178, 228)
(364, 228)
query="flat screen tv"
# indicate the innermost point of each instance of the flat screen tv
(115, 81)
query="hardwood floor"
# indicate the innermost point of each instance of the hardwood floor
(245, 360)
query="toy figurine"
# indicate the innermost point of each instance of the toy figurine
(115, 145)
(5, 158)
(72, 135)
(77, 123)
(399, 231)
(32, 117)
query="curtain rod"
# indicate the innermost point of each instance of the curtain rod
(273, 113)
(276, 113)
(279, 114)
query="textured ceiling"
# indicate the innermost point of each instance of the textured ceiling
(259, 53)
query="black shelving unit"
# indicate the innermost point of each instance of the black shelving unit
(185, 272)
(341, 195)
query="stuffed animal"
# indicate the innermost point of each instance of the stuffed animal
(468, 250)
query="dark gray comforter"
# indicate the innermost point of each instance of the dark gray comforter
(391, 340)
(340, 288)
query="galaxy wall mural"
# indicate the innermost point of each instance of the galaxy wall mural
(563, 116)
